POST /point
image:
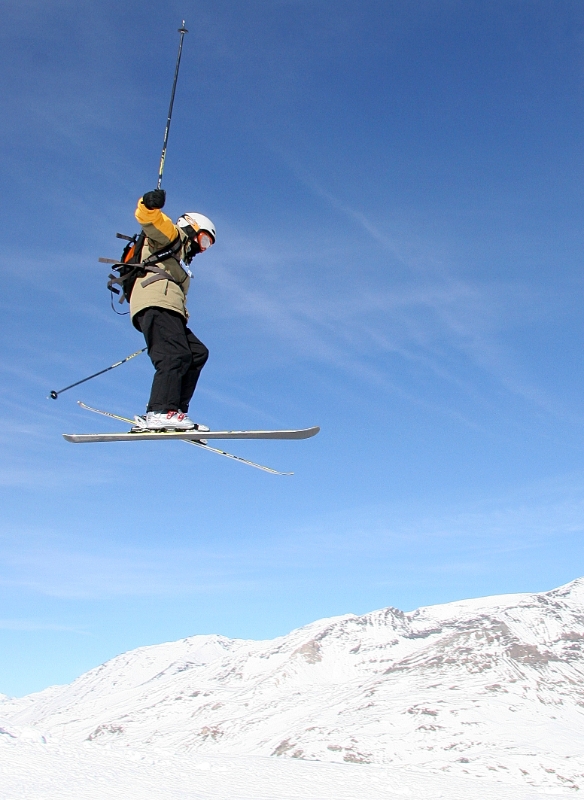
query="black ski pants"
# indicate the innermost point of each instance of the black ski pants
(178, 358)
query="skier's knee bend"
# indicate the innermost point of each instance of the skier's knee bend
(171, 362)
(200, 358)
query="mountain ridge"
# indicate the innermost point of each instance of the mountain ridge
(491, 687)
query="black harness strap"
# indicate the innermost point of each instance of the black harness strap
(163, 255)
(139, 269)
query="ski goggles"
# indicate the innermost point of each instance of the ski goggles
(204, 240)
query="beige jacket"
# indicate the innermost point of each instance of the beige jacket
(160, 231)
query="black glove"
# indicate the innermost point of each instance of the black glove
(154, 199)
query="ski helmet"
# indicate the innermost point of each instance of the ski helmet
(198, 228)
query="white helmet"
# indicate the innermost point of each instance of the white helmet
(192, 223)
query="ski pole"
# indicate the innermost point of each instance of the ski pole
(182, 32)
(53, 395)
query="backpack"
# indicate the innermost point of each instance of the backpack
(130, 267)
(127, 267)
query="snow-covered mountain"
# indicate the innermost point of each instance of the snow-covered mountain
(492, 687)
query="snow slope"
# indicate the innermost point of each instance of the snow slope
(490, 689)
(67, 772)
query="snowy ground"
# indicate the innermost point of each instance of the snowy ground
(38, 771)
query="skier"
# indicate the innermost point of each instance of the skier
(158, 310)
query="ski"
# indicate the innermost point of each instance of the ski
(191, 435)
(196, 443)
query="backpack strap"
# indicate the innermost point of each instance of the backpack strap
(167, 252)
(138, 268)
(160, 275)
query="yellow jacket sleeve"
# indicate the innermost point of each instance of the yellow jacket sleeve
(157, 225)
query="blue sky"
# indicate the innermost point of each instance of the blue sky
(397, 189)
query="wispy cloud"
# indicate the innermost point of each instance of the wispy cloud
(233, 402)
(367, 540)
(437, 329)
(55, 566)
(34, 625)
(427, 318)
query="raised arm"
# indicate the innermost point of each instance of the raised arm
(157, 226)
